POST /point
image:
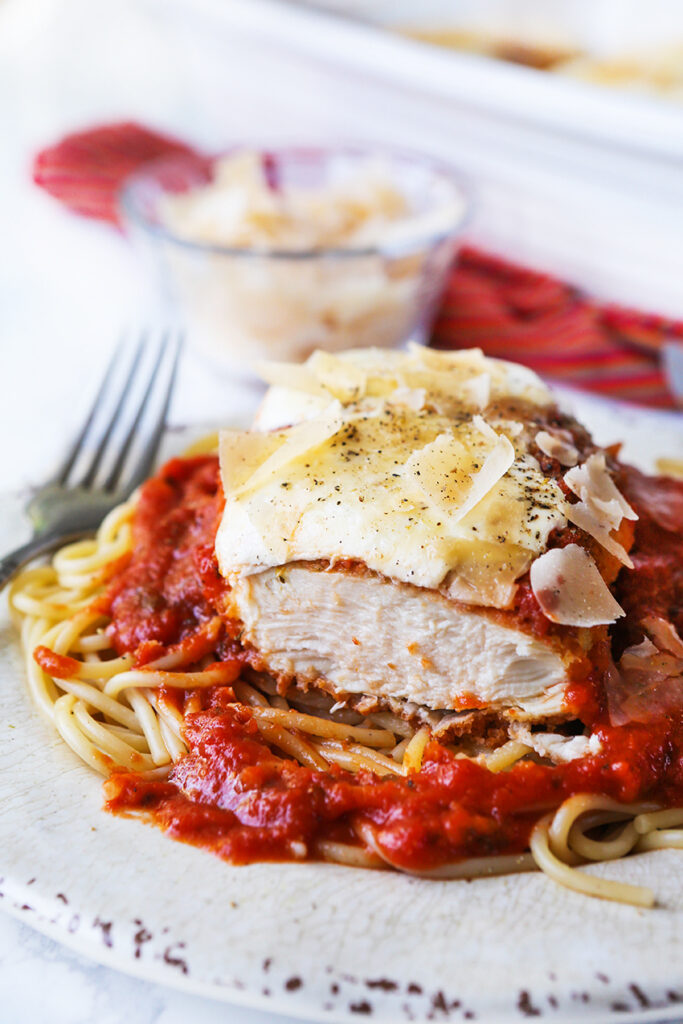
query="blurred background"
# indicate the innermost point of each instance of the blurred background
(565, 116)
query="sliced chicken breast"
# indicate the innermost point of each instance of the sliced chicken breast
(353, 632)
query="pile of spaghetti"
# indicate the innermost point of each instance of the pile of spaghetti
(129, 656)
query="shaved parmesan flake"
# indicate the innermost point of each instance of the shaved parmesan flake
(447, 472)
(437, 359)
(513, 428)
(557, 448)
(283, 407)
(645, 649)
(557, 748)
(665, 633)
(240, 452)
(583, 516)
(298, 442)
(602, 506)
(478, 390)
(496, 465)
(592, 483)
(439, 473)
(343, 380)
(295, 376)
(412, 398)
(483, 427)
(570, 590)
(473, 392)
(485, 573)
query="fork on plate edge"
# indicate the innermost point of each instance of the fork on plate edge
(113, 453)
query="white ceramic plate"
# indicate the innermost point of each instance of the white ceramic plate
(322, 941)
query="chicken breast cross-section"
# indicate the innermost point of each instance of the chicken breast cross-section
(352, 632)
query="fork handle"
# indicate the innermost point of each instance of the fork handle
(38, 545)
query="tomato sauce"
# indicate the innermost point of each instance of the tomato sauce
(656, 585)
(233, 795)
(171, 585)
(61, 666)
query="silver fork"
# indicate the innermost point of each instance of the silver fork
(109, 459)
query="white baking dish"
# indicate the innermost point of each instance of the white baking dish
(584, 182)
(603, 28)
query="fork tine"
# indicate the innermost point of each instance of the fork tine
(111, 481)
(68, 464)
(101, 448)
(145, 462)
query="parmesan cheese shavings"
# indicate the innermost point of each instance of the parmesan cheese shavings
(390, 459)
(557, 748)
(665, 634)
(451, 380)
(570, 590)
(557, 447)
(601, 507)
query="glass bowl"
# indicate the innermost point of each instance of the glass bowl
(244, 303)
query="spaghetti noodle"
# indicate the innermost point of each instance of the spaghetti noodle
(166, 704)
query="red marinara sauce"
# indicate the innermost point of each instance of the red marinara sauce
(233, 795)
(171, 585)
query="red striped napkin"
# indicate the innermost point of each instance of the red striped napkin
(509, 311)
(85, 170)
(515, 313)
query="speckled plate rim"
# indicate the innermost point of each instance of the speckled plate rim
(320, 941)
(87, 947)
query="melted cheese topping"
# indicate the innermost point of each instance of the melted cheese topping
(392, 464)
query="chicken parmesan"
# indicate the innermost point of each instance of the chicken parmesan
(379, 521)
(413, 618)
